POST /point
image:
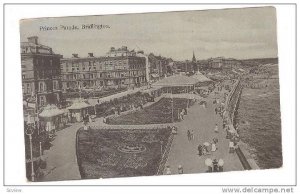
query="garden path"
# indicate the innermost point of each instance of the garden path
(61, 158)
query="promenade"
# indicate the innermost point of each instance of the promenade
(61, 158)
(62, 162)
(184, 152)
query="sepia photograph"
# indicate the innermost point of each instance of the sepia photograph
(148, 94)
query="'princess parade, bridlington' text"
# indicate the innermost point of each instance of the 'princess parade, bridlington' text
(75, 27)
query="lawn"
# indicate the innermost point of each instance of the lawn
(103, 153)
(159, 112)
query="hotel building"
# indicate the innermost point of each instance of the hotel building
(40, 74)
(120, 68)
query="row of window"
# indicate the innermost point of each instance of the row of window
(94, 63)
(104, 75)
(28, 88)
(43, 99)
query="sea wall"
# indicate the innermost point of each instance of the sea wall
(231, 106)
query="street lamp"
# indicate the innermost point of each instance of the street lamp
(29, 132)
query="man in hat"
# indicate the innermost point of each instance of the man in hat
(189, 135)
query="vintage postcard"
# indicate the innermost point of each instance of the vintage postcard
(150, 94)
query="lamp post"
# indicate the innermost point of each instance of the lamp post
(29, 132)
(172, 106)
(161, 147)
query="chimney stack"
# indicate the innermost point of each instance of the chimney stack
(91, 54)
(75, 55)
(33, 39)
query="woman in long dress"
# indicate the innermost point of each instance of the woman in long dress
(213, 147)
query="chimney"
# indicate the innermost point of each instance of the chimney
(33, 39)
(74, 55)
(91, 54)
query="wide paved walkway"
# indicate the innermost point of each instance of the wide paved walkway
(61, 158)
(184, 152)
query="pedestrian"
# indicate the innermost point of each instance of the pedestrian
(216, 129)
(181, 115)
(200, 148)
(192, 134)
(231, 146)
(174, 130)
(205, 150)
(216, 110)
(215, 165)
(215, 140)
(189, 135)
(168, 170)
(180, 169)
(213, 147)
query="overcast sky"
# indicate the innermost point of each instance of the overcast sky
(237, 33)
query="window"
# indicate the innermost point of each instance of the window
(57, 97)
(55, 85)
(42, 86)
(28, 88)
(42, 100)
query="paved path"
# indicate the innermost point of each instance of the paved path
(184, 152)
(61, 158)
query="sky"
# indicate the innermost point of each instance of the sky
(241, 33)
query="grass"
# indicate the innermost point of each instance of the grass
(159, 112)
(99, 153)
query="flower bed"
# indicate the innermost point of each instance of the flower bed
(103, 153)
(160, 112)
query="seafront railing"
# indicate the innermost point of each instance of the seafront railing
(231, 106)
(165, 155)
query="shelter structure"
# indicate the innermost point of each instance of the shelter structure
(78, 110)
(52, 118)
(177, 84)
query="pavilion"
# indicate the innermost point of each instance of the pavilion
(177, 84)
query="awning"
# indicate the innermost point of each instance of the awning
(200, 77)
(149, 90)
(186, 96)
(175, 81)
(51, 111)
(77, 105)
(154, 75)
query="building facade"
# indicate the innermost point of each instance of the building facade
(120, 68)
(223, 63)
(40, 74)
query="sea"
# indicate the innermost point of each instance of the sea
(259, 122)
